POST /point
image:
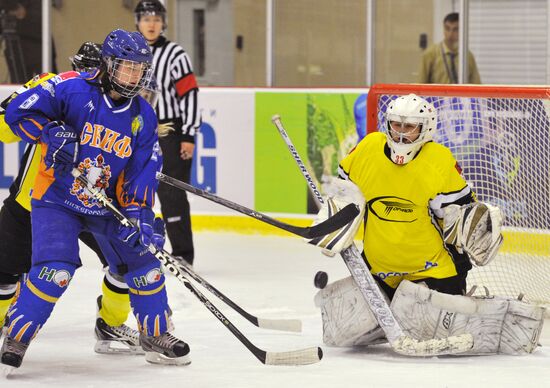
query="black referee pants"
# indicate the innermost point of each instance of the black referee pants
(173, 202)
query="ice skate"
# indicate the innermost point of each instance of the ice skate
(115, 339)
(165, 349)
(11, 355)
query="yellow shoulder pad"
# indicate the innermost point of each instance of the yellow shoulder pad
(38, 79)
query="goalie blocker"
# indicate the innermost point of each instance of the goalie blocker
(498, 325)
(344, 193)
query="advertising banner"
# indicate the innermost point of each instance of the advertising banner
(322, 128)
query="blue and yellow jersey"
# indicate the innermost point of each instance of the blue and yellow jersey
(21, 187)
(118, 142)
(402, 238)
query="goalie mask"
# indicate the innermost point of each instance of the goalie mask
(411, 121)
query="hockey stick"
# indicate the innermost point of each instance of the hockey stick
(398, 340)
(293, 325)
(295, 357)
(340, 219)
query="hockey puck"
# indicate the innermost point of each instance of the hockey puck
(321, 279)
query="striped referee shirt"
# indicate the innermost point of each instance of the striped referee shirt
(178, 99)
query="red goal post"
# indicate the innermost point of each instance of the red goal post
(500, 135)
(484, 91)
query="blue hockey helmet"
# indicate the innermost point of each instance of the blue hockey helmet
(128, 62)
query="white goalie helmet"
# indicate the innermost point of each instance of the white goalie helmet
(413, 112)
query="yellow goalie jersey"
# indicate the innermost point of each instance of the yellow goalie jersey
(402, 238)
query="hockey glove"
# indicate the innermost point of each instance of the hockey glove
(474, 228)
(345, 192)
(159, 233)
(142, 231)
(62, 143)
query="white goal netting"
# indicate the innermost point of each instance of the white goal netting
(501, 138)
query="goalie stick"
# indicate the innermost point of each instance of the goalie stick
(295, 357)
(398, 340)
(340, 219)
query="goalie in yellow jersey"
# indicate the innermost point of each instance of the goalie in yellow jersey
(423, 231)
(112, 335)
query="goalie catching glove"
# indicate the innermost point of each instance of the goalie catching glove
(345, 192)
(474, 228)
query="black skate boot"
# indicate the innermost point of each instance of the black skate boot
(11, 354)
(165, 349)
(115, 339)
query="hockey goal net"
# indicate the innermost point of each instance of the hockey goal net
(500, 135)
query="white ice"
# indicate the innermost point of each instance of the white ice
(270, 277)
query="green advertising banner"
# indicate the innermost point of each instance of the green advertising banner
(322, 128)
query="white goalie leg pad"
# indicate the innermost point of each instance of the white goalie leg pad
(474, 228)
(347, 318)
(344, 193)
(498, 325)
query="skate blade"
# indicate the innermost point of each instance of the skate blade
(160, 359)
(6, 370)
(115, 347)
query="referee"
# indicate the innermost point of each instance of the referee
(178, 108)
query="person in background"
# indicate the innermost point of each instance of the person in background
(177, 107)
(360, 115)
(439, 63)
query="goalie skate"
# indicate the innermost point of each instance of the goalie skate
(165, 350)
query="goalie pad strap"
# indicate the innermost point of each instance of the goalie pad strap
(498, 325)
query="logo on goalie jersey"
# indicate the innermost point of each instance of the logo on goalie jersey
(393, 209)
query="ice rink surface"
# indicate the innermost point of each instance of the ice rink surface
(271, 277)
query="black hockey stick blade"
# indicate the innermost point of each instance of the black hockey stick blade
(337, 221)
(293, 357)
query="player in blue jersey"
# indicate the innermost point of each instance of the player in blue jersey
(101, 126)
(15, 231)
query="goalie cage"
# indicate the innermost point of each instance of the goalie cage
(500, 136)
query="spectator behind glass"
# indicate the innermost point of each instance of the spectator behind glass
(439, 63)
(22, 40)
